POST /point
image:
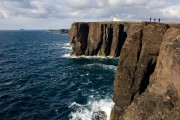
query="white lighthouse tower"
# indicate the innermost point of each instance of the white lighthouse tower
(116, 19)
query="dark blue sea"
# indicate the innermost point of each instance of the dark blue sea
(40, 81)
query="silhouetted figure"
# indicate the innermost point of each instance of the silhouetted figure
(150, 19)
(154, 19)
(159, 20)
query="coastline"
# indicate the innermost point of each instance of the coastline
(140, 47)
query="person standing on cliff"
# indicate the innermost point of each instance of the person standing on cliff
(150, 19)
(159, 20)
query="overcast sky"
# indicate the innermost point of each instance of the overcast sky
(55, 14)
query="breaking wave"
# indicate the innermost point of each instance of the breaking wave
(85, 112)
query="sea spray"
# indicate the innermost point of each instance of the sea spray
(85, 112)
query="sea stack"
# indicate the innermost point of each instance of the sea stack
(147, 79)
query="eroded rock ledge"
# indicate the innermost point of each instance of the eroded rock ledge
(147, 80)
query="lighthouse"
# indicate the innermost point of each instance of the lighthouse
(116, 19)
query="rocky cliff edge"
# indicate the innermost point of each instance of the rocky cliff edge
(147, 80)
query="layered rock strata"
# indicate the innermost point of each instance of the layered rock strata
(147, 80)
(97, 38)
(161, 98)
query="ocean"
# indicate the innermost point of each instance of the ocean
(39, 80)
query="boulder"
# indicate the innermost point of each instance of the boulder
(99, 115)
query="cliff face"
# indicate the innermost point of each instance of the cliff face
(161, 99)
(97, 38)
(147, 80)
(136, 64)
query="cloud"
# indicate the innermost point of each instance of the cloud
(171, 12)
(87, 10)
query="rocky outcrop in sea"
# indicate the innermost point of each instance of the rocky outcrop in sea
(60, 31)
(147, 80)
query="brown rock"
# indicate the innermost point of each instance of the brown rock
(161, 99)
(78, 38)
(105, 38)
(137, 62)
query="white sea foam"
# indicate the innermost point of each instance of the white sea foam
(104, 66)
(67, 46)
(66, 55)
(84, 112)
(112, 67)
(92, 57)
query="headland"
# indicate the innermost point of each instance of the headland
(147, 79)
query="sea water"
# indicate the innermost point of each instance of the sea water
(39, 80)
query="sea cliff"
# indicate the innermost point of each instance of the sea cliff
(147, 79)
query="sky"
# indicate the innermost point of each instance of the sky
(59, 14)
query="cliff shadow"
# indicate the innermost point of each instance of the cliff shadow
(145, 81)
(121, 39)
(82, 37)
(109, 41)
